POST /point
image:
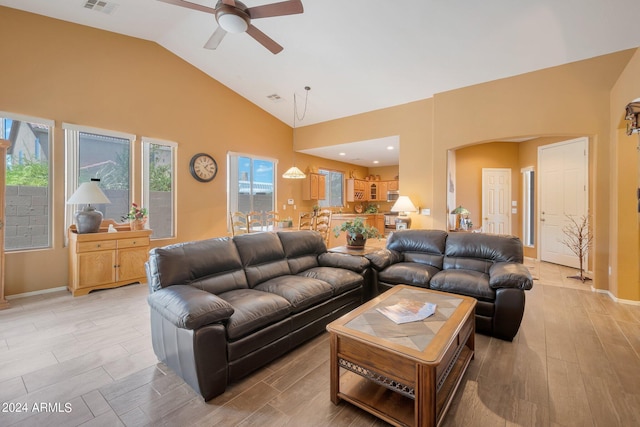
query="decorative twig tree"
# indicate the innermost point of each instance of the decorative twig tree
(578, 238)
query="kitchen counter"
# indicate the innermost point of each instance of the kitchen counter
(376, 220)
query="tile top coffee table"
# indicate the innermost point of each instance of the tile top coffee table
(405, 374)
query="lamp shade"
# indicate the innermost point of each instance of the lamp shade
(403, 204)
(460, 211)
(294, 173)
(88, 220)
(88, 193)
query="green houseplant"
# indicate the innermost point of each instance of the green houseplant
(357, 232)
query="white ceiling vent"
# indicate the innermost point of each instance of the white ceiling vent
(274, 98)
(101, 6)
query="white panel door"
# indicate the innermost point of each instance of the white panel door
(496, 196)
(563, 191)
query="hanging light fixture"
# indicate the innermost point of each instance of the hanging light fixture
(293, 172)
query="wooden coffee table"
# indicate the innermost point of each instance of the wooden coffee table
(405, 374)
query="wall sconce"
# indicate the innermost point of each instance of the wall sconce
(632, 113)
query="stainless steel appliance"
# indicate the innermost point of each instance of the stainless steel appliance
(392, 195)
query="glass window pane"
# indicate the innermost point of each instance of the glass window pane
(27, 186)
(107, 158)
(334, 189)
(159, 189)
(251, 182)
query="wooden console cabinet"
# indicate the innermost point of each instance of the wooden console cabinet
(106, 260)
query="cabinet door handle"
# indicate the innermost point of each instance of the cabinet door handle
(98, 246)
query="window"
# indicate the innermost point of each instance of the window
(251, 182)
(97, 153)
(158, 171)
(28, 184)
(334, 186)
(528, 197)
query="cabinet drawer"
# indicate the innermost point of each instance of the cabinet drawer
(100, 245)
(132, 243)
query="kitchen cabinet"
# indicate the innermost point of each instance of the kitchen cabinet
(372, 191)
(393, 185)
(106, 260)
(314, 187)
(383, 187)
(356, 190)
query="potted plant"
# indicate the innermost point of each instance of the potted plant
(137, 217)
(357, 232)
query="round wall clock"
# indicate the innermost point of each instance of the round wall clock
(203, 167)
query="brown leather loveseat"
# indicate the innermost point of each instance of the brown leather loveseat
(484, 266)
(222, 308)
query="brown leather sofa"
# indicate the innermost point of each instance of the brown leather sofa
(222, 308)
(484, 266)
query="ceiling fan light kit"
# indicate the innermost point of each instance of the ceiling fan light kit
(232, 20)
(235, 17)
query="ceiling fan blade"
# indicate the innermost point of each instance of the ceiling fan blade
(276, 9)
(190, 5)
(264, 39)
(215, 38)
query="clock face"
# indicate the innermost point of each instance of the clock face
(203, 167)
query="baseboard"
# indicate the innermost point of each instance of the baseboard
(30, 294)
(615, 298)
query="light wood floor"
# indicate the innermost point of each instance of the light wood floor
(575, 362)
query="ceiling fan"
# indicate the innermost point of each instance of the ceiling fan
(234, 16)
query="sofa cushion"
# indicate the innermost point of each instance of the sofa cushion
(409, 273)
(419, 246)
(339, 279)
(302, 248)
(464, 282)
(301, 292)
(188, 307)
(253, 310)
(213, 265)
(490, 247)
(262, 256)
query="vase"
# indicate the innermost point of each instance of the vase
(137, 224)
(356, 242)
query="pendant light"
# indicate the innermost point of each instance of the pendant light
(293, 172)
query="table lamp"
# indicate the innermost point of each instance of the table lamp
(403, 205)
(88, 219)
(460, 213)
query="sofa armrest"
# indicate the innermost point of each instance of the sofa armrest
(384, 258)
(355, 263)
(510, 275)
(188, 307)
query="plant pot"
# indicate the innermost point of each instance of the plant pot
(137, 224)
(357, 242)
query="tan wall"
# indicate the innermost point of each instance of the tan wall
(564, 102)
(80, 75)
(411, 122)
(469, 164)
(624, 164)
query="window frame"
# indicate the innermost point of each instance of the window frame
(528, 206)
(72, 161)
(328, 188)
(51, 125)
(146, 198)
(232, 171)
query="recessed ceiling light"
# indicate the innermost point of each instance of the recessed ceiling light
(342, 154)
(376, 162)
(391, 147)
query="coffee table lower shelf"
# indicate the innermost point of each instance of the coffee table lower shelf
(396, 408)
